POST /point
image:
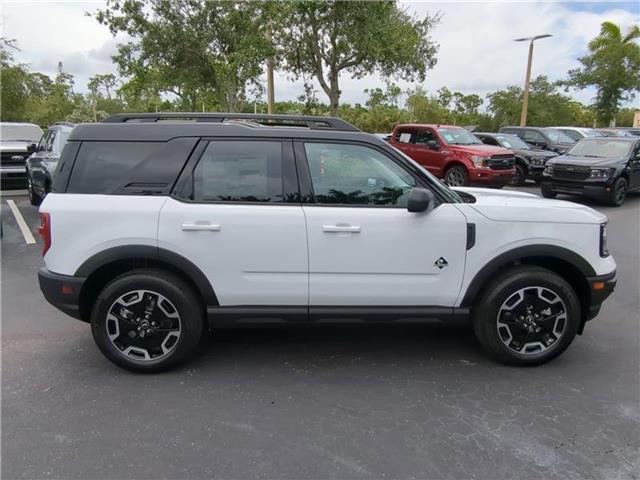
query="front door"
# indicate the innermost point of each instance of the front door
(430, 148)
(238, 217)
(365, 248)
(634, 168)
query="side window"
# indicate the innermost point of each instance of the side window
(572, 135)
(405, 135)
(51, 138)
(61, 139)
(43, 141)
(425, 136)
(356, 175)
(234, 171)
(489, 141)
(532, 136)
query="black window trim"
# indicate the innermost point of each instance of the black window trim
(306, 185)
(183, 188)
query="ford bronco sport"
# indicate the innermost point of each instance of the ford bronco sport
(156, 231)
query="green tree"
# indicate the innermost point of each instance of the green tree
(16, 84)
(612, 66)
(200, 52)
(324, 39)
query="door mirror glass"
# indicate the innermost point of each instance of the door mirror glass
(420, 200)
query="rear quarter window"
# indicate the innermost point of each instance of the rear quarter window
(129, 168)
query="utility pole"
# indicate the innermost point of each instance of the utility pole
(527, 80)
(270, 90)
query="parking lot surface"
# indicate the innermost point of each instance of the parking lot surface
(339, 402)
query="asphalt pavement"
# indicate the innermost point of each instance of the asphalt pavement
(397, 402)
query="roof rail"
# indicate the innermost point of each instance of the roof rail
(305, 121)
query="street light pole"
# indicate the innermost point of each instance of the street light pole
(527, 80)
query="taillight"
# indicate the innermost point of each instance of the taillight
(45, 231)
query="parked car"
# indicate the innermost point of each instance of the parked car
(578, 133)
(157, 231)
(41, 165)
(455, 155)
(17, 141)
(529, 161)
(604, 168)
(546, 138)
(613, 132)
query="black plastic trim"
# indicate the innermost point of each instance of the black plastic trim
(471, 235)
(544, 251)
(153, 253)
(258, 315)
(51, 287)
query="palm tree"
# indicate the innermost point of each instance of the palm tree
(612, 66)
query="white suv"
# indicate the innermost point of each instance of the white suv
(156, 231)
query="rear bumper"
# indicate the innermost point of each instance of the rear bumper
(600, 287)
(62, 291)
(491, 177)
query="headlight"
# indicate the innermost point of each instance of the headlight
(548, 170)
(538, 161)
(601, 173)
(479, 161)
(604, 251)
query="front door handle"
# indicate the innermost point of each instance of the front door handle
(192, 227)
(341, 228)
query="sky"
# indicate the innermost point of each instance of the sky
(477, 53)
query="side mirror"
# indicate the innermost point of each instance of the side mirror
(433, 145)
(32, 147)
(420, 200)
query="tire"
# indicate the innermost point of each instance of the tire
(520, 176)
(618, 192)
(456, 176)
(174, 307)
(546, 191)
(34, 198)
(510, 332)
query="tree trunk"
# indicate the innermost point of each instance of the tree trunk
(334, 93)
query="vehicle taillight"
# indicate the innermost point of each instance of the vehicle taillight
(45, 231)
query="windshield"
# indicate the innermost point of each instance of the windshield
(601, 147)
(434, 183)
(27, 133)
(556, 136)
(512, 141)
(458, 136)
(592, 132)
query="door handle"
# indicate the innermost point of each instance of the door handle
(192, 227)
(340, 228)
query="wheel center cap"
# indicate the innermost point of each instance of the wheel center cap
(144, 324)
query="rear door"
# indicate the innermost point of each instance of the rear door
(236, 214)
(634, 168)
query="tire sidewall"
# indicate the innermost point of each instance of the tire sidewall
(463, 172)
(520, 176)
(171, 287)
(486, 314)
(614, 200)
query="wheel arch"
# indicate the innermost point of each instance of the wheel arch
(564, 262)
(104, 266)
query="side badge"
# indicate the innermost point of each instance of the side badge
(440, 263)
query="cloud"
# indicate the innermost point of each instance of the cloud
(477, 52)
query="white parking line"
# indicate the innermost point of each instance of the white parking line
(24, 228)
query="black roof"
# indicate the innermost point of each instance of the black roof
(164, 131)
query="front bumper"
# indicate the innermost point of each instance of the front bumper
(62, 291)
(594, 189)
(491, 177)
(600, 287)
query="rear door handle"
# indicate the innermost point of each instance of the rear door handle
(341, 228)
(192, 227)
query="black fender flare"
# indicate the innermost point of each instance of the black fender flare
(142, 252)
(540, 251)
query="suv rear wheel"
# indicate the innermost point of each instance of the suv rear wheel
(456, 176)
(34, 198)
(527, 316)
(147, 320)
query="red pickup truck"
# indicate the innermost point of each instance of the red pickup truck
(454, 154)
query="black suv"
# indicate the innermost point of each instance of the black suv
(546, 138)
(41, 166)
(530, 161)
(605, 168)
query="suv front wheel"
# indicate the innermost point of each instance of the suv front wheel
(527, 316)
(147, 320)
